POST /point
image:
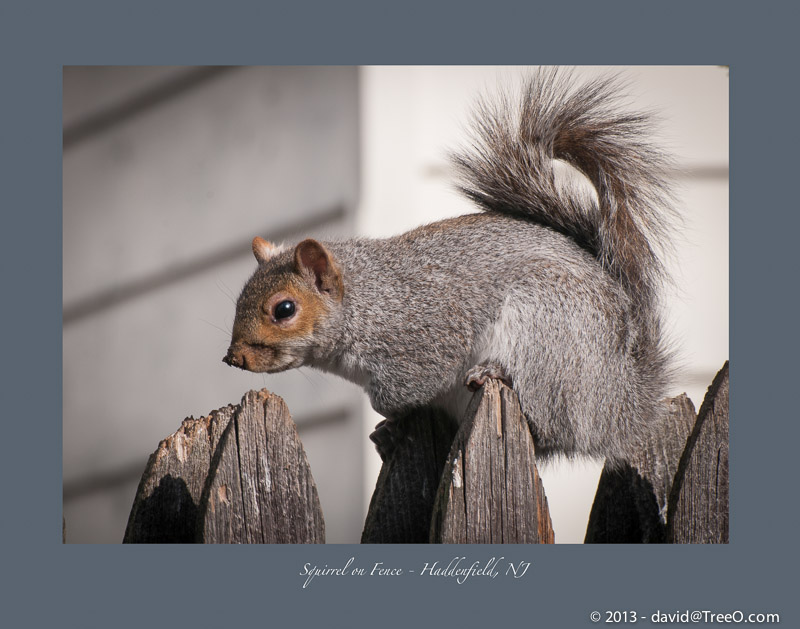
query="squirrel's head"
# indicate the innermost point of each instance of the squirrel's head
(281, 312)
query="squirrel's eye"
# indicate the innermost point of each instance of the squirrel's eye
(284, 309)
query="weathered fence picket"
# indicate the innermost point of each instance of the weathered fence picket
(476, 483)
(630, 505)
(401, 508)
(698, 501)
(682, 471)
(239, 475)
(490, 492)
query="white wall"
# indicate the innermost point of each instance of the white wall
(412, 115)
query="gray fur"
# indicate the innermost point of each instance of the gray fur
(557, 289)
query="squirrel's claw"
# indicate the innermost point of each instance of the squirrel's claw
(479, 374)
(385, 438)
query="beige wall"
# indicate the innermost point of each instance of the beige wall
(168, 175)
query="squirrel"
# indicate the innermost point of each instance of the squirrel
(551, 290)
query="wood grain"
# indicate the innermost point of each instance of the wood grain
(699, 498)
(401, 507)
(630, 505)
(490, 491)
(239, 475)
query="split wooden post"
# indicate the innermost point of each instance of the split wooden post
(698, 502)
(239, 475)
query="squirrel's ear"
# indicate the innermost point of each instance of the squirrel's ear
(263, 250)
(311, 259)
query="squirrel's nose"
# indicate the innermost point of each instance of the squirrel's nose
(233, 358)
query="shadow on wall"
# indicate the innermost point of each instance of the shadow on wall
(169, 172)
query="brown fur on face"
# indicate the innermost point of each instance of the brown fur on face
(307, 277)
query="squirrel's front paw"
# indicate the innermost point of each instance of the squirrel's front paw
(385, 438)
(479, 374)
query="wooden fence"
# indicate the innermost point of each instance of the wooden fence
(240, 475)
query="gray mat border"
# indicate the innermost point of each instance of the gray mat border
(49, 584)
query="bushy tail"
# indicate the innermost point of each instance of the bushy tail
(510, 169)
